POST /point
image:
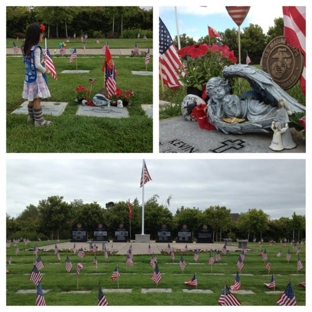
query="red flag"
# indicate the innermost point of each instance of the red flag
(145, 176)
(213, 33)
(108, 61)
(130, 209)
(295, 34)
(238, 13)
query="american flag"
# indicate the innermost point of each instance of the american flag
(211, 259)
(81, 253)
(97, 41)
(105, 253)
(295, 33)
(55, 249)
(240, 263)
(79, 268)
(35, 250)
(298, 251)
(115, 274)
(192, 281)
(147, 57)
(196, 256)
(153, 261)
(156, 275)
(288, 255)
(95, 262)
(129, 261)
(112, 249)
(68, 265)
(242, 255)
(223, 250)
(39, 263)
(248, 60)
(149, 249)
(58, 256)
(237, 283)
(272, 283)
(15, 48)
(182, 263)
(74, 35)
(172, 254)
(288, 297)
(73, 55)
(104, 47)
(94, 248)
(299, 264)
(218, 255)
(264, 255)
(49, 63)
(185, 248)
(227, 298)
(35, 276)
(39, 297)
(268, 265)
(279, 253)
(101, 298)
(110, 73)
(129, 253)
(74, 249)
(168, 58)
(145, 176)
(136, 49)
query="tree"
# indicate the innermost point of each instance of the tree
(276, 30)
(29, 219)
(219, 218)
(298, 225)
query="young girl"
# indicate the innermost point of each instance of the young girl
(35, 84)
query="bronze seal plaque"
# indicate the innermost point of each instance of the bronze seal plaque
(283, 62)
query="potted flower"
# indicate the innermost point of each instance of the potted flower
(81, 93)
(123, 95)
(202, 62)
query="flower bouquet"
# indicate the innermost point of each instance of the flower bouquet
(123, 95)
(81, 93)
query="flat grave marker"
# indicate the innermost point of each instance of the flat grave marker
(103, 111)
(48, 108)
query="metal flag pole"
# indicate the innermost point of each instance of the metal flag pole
(177, 24)
(142, 177)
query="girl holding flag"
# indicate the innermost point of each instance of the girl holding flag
(35, 83)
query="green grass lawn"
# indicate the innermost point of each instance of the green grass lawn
(71, 133)
(210, 277)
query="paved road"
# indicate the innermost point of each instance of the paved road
(141, 248)
(88, 51)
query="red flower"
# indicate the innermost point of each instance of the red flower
(302, 120)
(193, 51)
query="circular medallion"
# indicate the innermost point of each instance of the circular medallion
(164, 226)
(121, 225)
(205, 227)
(184, 227)
(283, 62)
(100, 225)
(79, 225)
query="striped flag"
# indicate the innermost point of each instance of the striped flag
(242, 255)
(248, 60)
(136, 50)
(147, 57)
(237, 283)
(58, 256)
(156, 277)
(170, 64)
(238, 13)
(8, 243)
(39, 297)
(95, 262)
(172, 254)
(185, 248)
(68, 264)
(74, 249)
(115, 274)
(223, 250)
(129, 261)
(264, 255)
(10, 260)
(288, 297)
(295, 33)
(81, 253)
(145, 176)
(211, 260)
(240, 263)
(79, 267)
(105, 253)
(196, 256)
(218, 255)
(101, 298)
(49, 65)
(299, 264)
(192, 281)
(94, 248)
(35, 250)
(110, 72)
(227, 298)
(268, 266)
(35, 276)
(73, 55)
(15, 48)
(288, 255)
(39, 263)
(272, 283)
(55, 249)
(112, 249)
(182, 264)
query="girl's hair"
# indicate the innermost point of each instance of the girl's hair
(216, 82)
(32, 37)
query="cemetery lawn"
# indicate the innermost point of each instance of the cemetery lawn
(71, 133)
(210, 277)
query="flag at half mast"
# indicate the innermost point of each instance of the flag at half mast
(145, 176)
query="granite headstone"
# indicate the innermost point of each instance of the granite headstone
(184, 234)
(205, 234)
(79, 233)
(121, 234)
(164, 234)
(100, 233)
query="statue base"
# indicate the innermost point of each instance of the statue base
(142, 238)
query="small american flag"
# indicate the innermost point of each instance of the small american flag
(298, 251)
(39, 297)
(264, 255)
(81, 253)
(105, 253)
(73, 55)
(272, 283)
(218, 255)
(196, 256)
(242, 255)
(68, 265)
(49, 64)
(79, 268)
(299, 264)
(227, 298)
(74, 249)
(129, 261)
(97, 41)
(130, 255)
(35, 276)
(94, 248)
(223, 250)
(35, 250)
(55, 249)
(268, 266)
(112, 249)
(115, 274)
(110, 81)
(192, 281)
(172, 255)
(211, 259)
(279, 254)
(185, 248)
(15, 48)
(145, 176)
(153, 261)
(136, 50)
(95, 262)
(288, 297)
(101, 298)
(182, 263)
(237, 283)
(288, 255)
(147, 57)
(58, 256)
(39, 263)
(248, 60)
(240, 263)
(156, 277)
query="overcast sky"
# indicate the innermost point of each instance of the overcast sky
(275, 186)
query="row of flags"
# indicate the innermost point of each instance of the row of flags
(294, 18)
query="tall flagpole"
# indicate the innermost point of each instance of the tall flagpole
(143, 199)
(178, 35)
